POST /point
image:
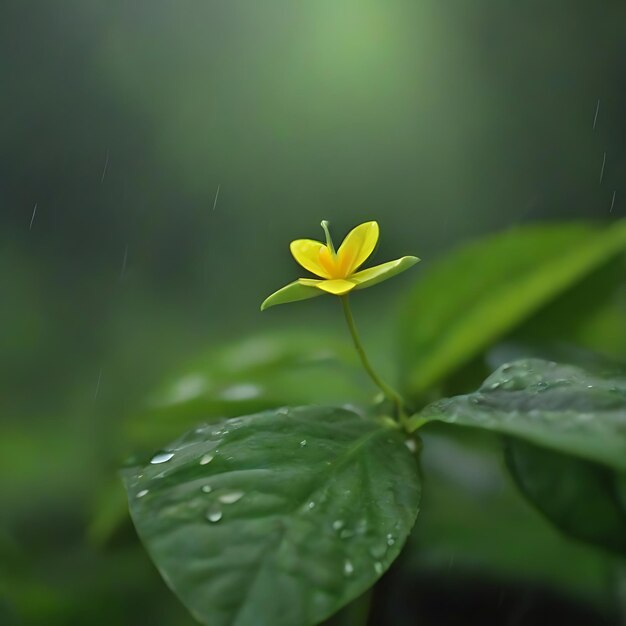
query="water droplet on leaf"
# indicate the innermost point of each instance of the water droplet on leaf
(243, 391)
(214, 515)
(161, 457)
(231, 497)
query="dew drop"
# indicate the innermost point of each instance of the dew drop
(214, 515)
(231, 497)
(338, 524)
(206, 459)
(187, 388)
(244, 391)
(378, 567)
(161, 457)
(411, 445)
(311, 504)
(390, 539)
(207, 489)
(348, 568)
(346, 534)
(142, 493)
(303, 443)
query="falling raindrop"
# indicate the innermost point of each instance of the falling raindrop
(161, 457)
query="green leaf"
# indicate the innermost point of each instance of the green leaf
(278, 518)
(580, 497)
(293, 292)
(254, 373)
(562, 407)
(484, 290)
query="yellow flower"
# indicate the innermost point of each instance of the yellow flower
(337, 270)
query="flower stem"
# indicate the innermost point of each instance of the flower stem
(389, 391)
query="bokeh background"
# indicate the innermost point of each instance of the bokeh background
(157, 157)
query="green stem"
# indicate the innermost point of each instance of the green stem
(389, 391)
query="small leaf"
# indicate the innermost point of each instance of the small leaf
(578, 496)
(562, 407)
(278, 518)
(485, 290)
(291, 293)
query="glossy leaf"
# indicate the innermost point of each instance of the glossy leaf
(478, 294)
(277, 518)
(581, 497)
(562, 407)
(254, 373)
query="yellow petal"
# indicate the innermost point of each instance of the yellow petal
(374, 275)
(336, 286)
(307, 253)
(356, 247)
(309, 282)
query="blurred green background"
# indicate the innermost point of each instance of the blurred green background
(156, 158)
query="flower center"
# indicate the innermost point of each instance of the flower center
(336, 265)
